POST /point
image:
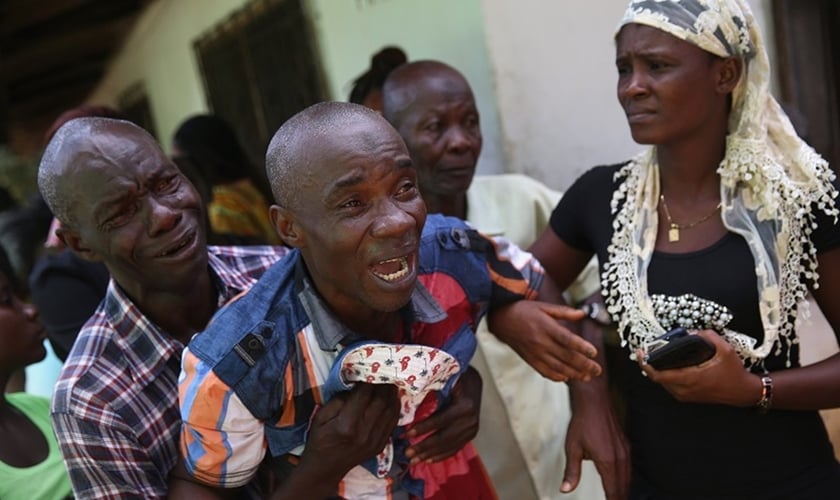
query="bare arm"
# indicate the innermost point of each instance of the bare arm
(594, 430)
(816, 386)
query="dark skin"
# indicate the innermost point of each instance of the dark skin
(433, 108)
(370, 210)
(660, 110)
(147, 230)
(145, 223)
(351, 428)
(21, 344)
(359, 212)
(688, 166)
(594, 432)
(677, 96)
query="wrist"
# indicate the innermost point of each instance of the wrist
(591, 394)
(596, 311)
(311, 476)
(765, 400)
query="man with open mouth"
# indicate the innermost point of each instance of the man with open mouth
(121, 201)
(372, 275)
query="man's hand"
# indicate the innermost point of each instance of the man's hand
(533, 330)
(352, 427)
(453, 426)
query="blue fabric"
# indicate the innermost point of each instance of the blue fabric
(251, 342)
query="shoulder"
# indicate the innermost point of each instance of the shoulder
(435, 222)
(269, 307)
(594, 185)
(250, 261)
(507, 186)
(601, 174)
(67, 264)
(96, 351)
(233, 254)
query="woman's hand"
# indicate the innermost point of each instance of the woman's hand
(722, 379)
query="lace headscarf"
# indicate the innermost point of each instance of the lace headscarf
(771, 183)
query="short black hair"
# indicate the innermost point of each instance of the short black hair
(381, 65)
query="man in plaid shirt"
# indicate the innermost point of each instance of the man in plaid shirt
(121, 201)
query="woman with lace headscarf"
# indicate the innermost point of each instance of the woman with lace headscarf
(722, 227)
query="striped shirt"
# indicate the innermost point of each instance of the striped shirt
(282, 334)
(115, 405)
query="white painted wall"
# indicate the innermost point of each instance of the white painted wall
(350, 31)
(554, 71)
(159, 52)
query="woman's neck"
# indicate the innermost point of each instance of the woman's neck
(688, 171)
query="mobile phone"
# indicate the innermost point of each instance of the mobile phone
(678, 349)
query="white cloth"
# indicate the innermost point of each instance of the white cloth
(524, 416)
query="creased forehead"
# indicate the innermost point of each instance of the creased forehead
(301, 141)
(87, 136)
(80, 142)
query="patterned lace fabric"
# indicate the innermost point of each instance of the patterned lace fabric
(771, 183)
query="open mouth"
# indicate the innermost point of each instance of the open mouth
(177, 247)
(391, 269)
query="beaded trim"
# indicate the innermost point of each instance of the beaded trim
(690, 312)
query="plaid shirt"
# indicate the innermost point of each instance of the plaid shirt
(115, 406)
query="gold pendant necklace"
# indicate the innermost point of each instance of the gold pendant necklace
(674, 227)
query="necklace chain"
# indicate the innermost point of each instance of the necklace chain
(674, 227)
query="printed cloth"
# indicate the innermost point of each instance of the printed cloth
(239, 209)
(417, 371)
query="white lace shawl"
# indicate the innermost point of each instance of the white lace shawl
(771, 182)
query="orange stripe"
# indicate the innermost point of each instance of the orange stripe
(310, 369)
(518, 286)
(189, 377)
(288, 416)
(207, 411)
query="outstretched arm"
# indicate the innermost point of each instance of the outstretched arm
(534, 330)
